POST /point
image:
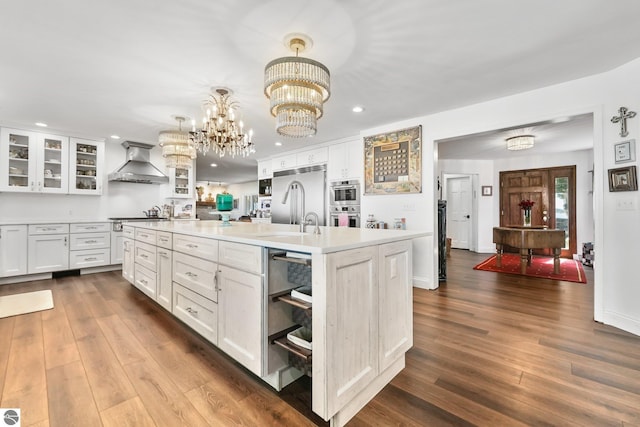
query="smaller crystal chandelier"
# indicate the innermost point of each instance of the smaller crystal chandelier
(220, 132)
(297, 88)
(520, 142)
(177, 148)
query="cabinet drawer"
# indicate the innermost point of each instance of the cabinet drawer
(35, 229)
(196, 274)
(90, 227)
(196, 311)
(128, 231)
(164, 239)
(90, 241)
(243, 257)
(89, 258)
(145, 255)
(145, 280)
(147, 236)
(196, 246)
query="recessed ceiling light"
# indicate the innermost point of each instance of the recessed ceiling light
(357, 109)
(214, 165)
(278, 143)
(42, 125)
(115, 137)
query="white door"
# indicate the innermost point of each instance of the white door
(459, 211)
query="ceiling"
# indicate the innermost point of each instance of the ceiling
(94, 68)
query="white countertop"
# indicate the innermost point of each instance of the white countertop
(51, 221)
(287, 237)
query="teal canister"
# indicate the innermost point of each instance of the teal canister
(224, 202)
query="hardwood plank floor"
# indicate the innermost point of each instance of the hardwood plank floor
(489, 349)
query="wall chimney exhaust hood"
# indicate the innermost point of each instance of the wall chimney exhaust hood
(138, 168)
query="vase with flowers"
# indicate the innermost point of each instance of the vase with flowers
(526, 206)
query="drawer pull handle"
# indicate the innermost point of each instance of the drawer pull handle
(192, 246)
(143, 235)
(164, 255)
(91, 241)
(143, 281)
(144, 256)
(192, 311)
(91, 227)
(91, 259)
(190, 274)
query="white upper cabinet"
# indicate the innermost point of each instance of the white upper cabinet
(265, 169)
(345, 161)
(312, 157)
(284, 162)
(33, 162)
(181, 182)
(86, 169)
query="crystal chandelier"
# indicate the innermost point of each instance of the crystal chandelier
(297, 88)
(520, 142)
(220, 132)
(177, 148)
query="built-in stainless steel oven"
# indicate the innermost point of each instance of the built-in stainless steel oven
(344, 193)
(344, 216)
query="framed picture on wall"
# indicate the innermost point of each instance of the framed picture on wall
(392, 162)
(487, 190)
(623, 179)
(625, 151)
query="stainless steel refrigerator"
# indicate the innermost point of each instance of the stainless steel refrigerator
(312, 181)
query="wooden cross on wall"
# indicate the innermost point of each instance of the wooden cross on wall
(622, 118)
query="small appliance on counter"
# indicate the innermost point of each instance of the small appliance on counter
(224, 202)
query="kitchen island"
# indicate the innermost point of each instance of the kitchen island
(232, 284)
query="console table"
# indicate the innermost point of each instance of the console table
(526, 239)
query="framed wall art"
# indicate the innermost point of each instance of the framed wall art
(625, 151)
(623, 179)
(487, 190)
(393, 162)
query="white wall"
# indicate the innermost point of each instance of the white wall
(119, 199)
(616, 231)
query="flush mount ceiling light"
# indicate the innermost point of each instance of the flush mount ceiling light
(520, 142)
(220, 131)
(177, 148)
(297, 88)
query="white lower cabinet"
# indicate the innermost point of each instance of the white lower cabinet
(200, 313)
(165, 282)
(197, 274)
(13, 250)
(240, 297)
(145, 280)
(48, 248)
(128, 260)
(351, 340)
(117, 247)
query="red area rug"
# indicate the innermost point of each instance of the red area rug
(541, 266)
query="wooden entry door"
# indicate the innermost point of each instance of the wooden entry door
(553, 191)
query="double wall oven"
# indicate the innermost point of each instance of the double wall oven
(344, 203)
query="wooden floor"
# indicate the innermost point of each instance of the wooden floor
(489, 350)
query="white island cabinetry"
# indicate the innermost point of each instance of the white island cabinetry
(232, 286)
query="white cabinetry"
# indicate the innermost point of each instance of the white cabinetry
(117, 247)
(284, 162)
(165, 269)
(181, 182)
(265, 169)
(145, 268)
(240, 296)
(311, 157)
(13, 250)
(128, 261)
(48, 248)
(90, 245)
(86, 169)
(346, 161)
(33, 162)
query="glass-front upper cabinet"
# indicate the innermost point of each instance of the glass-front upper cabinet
(86, 169)
(33, 162)
(181, 181)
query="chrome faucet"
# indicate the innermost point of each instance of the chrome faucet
(293, 209)
(306, 221)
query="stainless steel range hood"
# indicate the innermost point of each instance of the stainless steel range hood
(138, 167)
